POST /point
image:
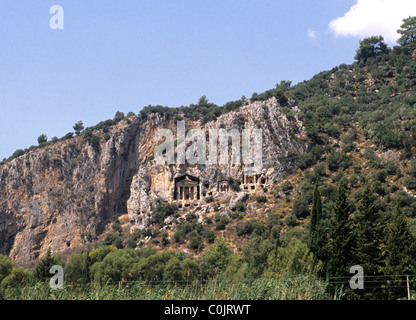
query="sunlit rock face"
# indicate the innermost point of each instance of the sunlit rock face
(63, 196)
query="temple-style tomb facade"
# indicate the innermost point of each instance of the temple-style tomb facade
(189, 189)
(186, 190)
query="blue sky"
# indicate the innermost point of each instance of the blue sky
(123, 55)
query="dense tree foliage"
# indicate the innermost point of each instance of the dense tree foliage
(371, 48)
(340, 235)
(42, 139)
(78, 127)
(42, 270)
(407, 31)
(12, 276)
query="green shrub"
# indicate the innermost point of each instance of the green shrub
(261, 199)
(240, 207)
(117, 227)
(394, 188)
(77, 269)
(92, 139)
(286, 187)
(12, 276)
(320, 169)
(114, 239)
(179, 236)
(162, 211)
(221, 222)
(17, 153)
(291, 221)
(209, 235)
(391, 168)
(164, 239)
(306, 160)
(116, 266)
(252, 226)
(338, 160)
(381, 175)
(295, 258)
(387, 137)
(196, 242)
(300, 207)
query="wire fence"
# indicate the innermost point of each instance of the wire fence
(378, 283)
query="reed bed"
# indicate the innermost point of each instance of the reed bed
(288, 287)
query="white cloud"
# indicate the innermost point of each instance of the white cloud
(311, 34)
(374, 17)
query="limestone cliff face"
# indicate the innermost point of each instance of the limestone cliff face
(64, 195)
(283, 138)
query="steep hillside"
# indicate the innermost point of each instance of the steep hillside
(64, 195)
(355, 123)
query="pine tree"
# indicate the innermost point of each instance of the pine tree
(400, 246)
(316, 214)
(368, 234)
(339, 253)
(78, 127)
(316, 230)
(408, 31)
(370, 48)
(400, 253)
(42, 139)
(42, 269)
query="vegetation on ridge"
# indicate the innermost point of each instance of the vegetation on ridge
(350, 202)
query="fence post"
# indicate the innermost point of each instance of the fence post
(408, 288)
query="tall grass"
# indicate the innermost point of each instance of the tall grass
(288, 287)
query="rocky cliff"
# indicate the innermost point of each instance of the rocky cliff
(64, 195)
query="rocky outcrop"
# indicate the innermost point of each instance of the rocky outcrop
(283, 139)
(64, 195)
(239, 197)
